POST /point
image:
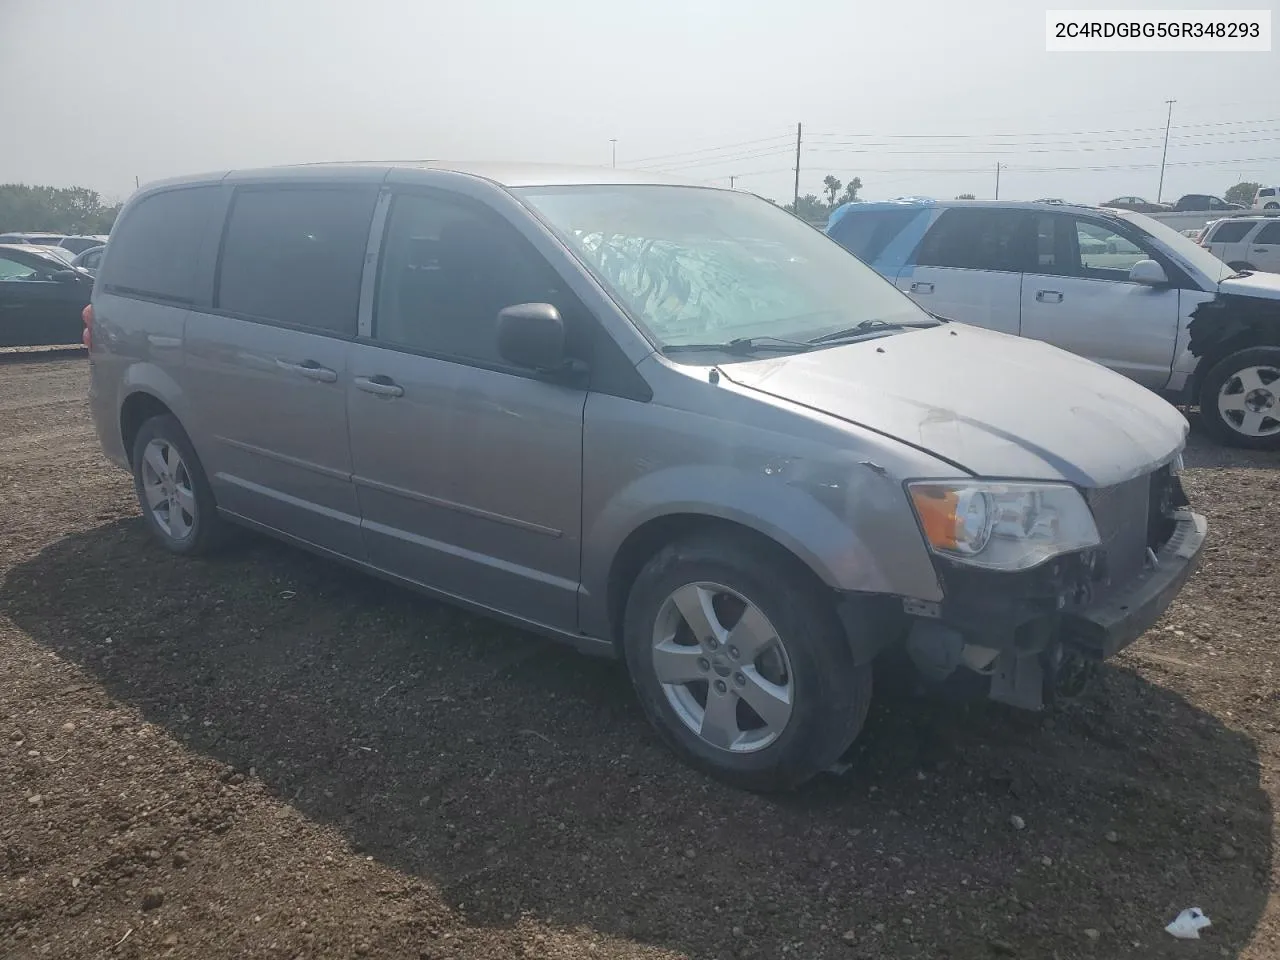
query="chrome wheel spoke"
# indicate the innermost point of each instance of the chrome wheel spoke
(720, 720)
(1250, 379)
(1251, 423)
(154, 492)
(186, 500)
(173, 460)
(179, 521)
(770, 701)
(674, 663)
(694, 602)
(750, 635)
(154, 458)
(1229, 402)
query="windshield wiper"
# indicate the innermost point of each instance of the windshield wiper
(870, 328)
(742, 345)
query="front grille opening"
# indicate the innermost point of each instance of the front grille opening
(1166, 496)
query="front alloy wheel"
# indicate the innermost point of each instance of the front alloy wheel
(740, 662)
(722, 667)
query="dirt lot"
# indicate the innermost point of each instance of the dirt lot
(265, 755)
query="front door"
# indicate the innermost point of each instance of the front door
(267, 366)
(968, 267)
(1080, 297)
(468, 471)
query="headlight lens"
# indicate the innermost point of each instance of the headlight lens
(1002, 526)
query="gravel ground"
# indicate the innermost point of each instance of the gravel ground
(266, 755)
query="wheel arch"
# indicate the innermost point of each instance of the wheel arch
(646, 540)
(138, 407)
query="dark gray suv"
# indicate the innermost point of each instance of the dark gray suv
(664, 422)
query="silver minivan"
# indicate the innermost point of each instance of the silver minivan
(663, 422)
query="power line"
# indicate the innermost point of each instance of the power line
(1015, 151)
(707, 161)
(1054, 133)
(727, 146)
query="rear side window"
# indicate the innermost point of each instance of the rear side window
(1267, 192)
(865, 235)
(977, 239)
(1231, 231)
(295, 255)
(155, 249)
(1268, 234)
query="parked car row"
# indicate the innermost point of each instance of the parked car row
(1187, 202)
(76, 244)
(1116, 287)
(42, 296)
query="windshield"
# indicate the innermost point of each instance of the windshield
(695, 265)
(1183, 248)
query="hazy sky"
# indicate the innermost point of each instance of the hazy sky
(914, 96)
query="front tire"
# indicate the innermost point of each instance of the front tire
(173, 492)
(1240, 399)
(740, 662)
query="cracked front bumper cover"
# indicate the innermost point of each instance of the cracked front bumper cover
(1110, 624)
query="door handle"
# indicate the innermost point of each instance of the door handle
(1048, 296)
(380, 386)
(1261, 249)
(921, 287)
(309, 369)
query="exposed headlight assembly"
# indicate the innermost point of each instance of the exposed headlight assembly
(1002, 525)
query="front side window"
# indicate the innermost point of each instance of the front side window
(1105, 254)
(1268, 234)
(448, 267)
(295, 255)
(976, 239)
(694, 265)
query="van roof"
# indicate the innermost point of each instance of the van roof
(501, 173)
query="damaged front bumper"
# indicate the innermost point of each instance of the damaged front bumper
(1036, 634)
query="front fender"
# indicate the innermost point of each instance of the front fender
(855, 532)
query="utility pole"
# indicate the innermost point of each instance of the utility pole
(135, 182)
(795, 203)
(998, 166)
(613, 143)
(1168, 120)
(732, 177)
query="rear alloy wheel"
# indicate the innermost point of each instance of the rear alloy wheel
(1240, 399)
(741, 664)
(174, 495)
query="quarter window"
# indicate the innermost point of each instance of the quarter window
(155, 249)
(295, 256)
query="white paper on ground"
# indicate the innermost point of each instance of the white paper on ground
(1188, 924)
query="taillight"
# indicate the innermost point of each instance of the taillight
(87, 316)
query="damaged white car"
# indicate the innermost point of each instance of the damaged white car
(1114, 286)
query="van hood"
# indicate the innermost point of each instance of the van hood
(991, 404)
(1258, 284)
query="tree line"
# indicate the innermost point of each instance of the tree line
(70, 210)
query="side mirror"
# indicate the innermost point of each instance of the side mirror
(532, 335)
(64, 276)
(1148, 272)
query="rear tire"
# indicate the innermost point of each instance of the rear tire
(173, 492)
(769, 638)
(1240, 399)
(1271, 206)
